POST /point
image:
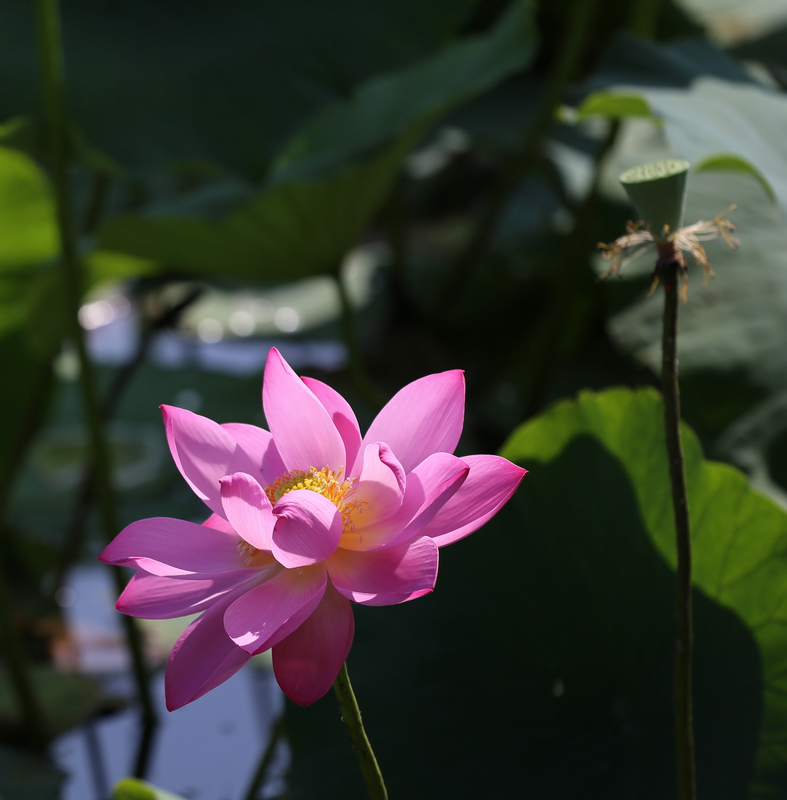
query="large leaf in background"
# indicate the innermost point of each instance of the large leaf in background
(713, 114)
(542, 665)
(293, 230)
(716, 117)
(739, 562)
(28, 232)
(632, 61)
(622, 106)
(28, 237)
(303, 225)
(241, 76)
(387, 106)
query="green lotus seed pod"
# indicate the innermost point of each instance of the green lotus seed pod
(658, 191)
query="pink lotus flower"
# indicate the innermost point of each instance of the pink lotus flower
(306, 520)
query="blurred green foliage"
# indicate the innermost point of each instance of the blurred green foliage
(471, 150)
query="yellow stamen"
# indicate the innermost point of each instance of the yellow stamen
(323, 481)
(252, 557)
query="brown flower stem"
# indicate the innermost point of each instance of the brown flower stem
(351, 716)
(669, 268)
(52, 75)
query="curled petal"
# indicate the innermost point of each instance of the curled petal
(424, 417)
(308, 529)
(164, 546)
(397, 572)
(267, 613)
(204, 452)
(342, 415)
(258, 445)
(248, 509)
(304, 432)
(380, 489)
(489, 485)
(429, 487)
(307, 662)
(150, 596)
(203, 657)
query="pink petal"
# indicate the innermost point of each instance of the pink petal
(221, 524)
(388, 599)
(165, 546)
(258, 445)
(489, 485)
(341, 414)
(248, 509)
(204, 453)
(424, 417)
(429, 487)
(308, 528)
(380, 488)
(154, 597)
(203, 657)
(269, 612)
(395, 572)
(304, 432)
(307, 662)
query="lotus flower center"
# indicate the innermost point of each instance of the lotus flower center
(323, 481)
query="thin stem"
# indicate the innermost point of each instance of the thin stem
(265, 762)
(351, 716)
(51, 55)
(684, 734)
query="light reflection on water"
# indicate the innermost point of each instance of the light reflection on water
(207, 750)
(115, 344)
